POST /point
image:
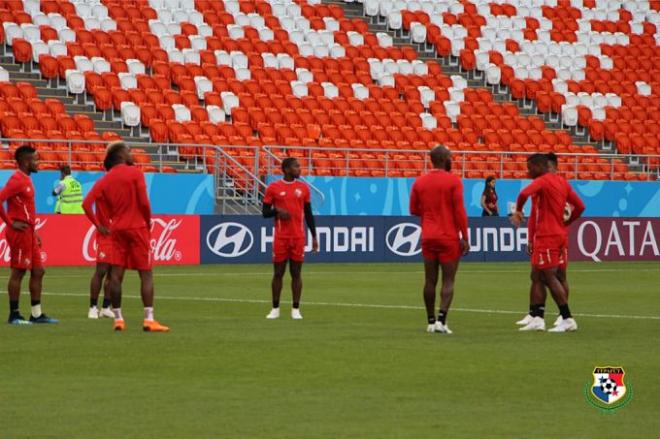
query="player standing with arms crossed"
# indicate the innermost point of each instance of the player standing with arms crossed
(289, 202)
(125, 193)
(551, 193)
(105, 252)
(437, 197)
(24, 243)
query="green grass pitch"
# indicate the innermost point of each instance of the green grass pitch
(359, 365)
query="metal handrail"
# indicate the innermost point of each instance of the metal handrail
(227, 170)
(462, 159)
(314, 189)
(160, 155)
(648, 164)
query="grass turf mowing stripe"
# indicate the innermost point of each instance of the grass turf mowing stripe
(269, 273)
(363, 305)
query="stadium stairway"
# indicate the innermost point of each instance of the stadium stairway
(500, 93)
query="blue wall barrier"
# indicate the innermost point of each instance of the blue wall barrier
(389, 196)
(194, 194)
(249, 239)
(169, 193)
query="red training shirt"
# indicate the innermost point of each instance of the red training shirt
(292, 197)
(531, 222)
(437, 197)
(19, 195)
(550, 192)
(124, 195)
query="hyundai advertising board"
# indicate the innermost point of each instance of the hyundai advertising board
(241, 239)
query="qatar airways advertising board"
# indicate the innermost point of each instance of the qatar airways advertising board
(71, 240)
(615, 239)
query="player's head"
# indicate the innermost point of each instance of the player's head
(441, 158)
(537, 165)
(65, 170)
(291, 168)
(490, 183)
(118, 153)
(27, 159)
(553, 161)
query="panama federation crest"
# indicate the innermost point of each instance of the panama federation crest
(608, 391)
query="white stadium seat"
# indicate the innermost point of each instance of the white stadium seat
(130, 114)
(75, 81)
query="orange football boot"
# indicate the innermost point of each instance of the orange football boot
(154, 326)
(119, 325)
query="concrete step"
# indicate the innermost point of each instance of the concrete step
(52, 92)
(83, 108)
(33, 78)
(102, 127)
(89, 113)
(66, 100)
(11, 67)
(109, 125)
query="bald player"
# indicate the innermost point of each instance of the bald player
(437, 198)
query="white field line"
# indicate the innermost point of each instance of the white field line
(269, 273)
(363, 305)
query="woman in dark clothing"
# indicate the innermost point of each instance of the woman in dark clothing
(489, 198)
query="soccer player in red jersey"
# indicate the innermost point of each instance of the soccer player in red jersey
(124, 192)
(551, 192)
(288, 201)
(104, 254)
(22, 238)
(437, 197)
(538, 288)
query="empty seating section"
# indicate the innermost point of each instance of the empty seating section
(595, 62)
(24, 116)
(290, 73)
(41, 32)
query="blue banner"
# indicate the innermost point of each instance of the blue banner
(249, 239)
(182, 194)
(390, 196)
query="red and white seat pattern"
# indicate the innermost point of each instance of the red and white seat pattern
(267, 72)
(23, 115)
(595, 62)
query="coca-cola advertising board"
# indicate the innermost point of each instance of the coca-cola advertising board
(71, 240)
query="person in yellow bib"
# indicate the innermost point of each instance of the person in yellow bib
(69, 193)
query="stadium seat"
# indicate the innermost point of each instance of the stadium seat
(267, 74)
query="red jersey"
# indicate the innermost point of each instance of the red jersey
(437, 197)
(94, 197)
(550, 193)
(125, 199)
(292, 197)
(19, 195)
(531, 221)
